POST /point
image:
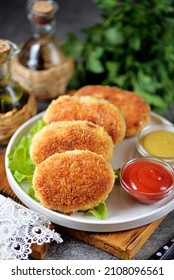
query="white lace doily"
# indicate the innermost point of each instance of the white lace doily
(21, 227)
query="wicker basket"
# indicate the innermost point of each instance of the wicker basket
(10, 121)
(44, 84)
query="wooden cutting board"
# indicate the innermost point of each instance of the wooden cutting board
(124, 244)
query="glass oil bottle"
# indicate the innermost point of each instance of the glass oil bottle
(41, 66)
(16, 104)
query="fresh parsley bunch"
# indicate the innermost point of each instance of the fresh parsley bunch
(132, 48)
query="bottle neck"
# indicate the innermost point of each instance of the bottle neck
(4, 72)
(5, 62)
(40, 30)
(41, 15)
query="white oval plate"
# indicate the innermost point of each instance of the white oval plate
(123, 211)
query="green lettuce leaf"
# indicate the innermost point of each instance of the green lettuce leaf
(117, 175)
(20, 162)
(100, 212)
(31, 193)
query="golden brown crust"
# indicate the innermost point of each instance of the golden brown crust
(88, 108)
(59, 137)
(73, 181)
(135, 110)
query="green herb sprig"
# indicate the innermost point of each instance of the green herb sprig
(132, 48)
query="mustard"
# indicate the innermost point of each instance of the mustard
(159, 143)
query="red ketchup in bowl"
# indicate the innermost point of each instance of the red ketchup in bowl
(147, 180)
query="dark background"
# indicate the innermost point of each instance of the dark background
(72, 16)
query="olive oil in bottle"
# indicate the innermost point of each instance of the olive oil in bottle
(16, 104)
(11, 94)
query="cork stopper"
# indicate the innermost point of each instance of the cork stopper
(4, 50)
(43, 11)
(43, 7)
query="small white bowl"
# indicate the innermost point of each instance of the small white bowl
(141, 178)
(156, 143)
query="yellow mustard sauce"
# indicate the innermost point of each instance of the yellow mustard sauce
(159, 143)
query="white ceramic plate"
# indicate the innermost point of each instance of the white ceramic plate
(123, 211)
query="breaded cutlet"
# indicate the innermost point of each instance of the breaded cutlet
(73, 181)
(135, 110)
(95, 110)
(62, 136)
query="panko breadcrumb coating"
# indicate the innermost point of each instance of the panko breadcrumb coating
(73, 181)
(59, 137)
(88, 108)
(135, 110)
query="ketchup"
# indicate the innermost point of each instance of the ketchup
(147, 181)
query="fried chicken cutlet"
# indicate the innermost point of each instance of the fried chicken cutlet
(62, 136)
(135, 110)
(95, 110)
(73, 181)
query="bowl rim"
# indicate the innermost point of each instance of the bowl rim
(150, 159)
(144, 131)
